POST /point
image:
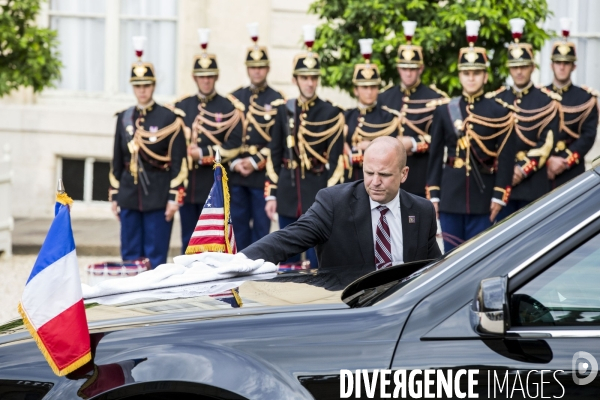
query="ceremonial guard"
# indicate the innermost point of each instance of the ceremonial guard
(369, 120)
(213, 122)
(149, 169)
(536, 124)
(579, 122)
(264, 117)
(310, 156)
(409, 101)
(474, 183)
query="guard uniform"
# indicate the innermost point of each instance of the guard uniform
(410, 105)
(149, 169)
(536, 126)
(310, 156)
(214, 123)
(261, 121)
(579, 119)
(366, 122)
(476, 134)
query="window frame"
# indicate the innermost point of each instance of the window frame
(88, 177)
(541, 261)
(112, 22)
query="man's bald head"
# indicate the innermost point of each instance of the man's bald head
(384, 168)
(388, 146)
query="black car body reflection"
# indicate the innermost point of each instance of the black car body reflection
(295, 332)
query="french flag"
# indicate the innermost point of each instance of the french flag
(52, 302)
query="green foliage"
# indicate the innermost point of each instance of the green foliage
(441, 32)
(28, 55)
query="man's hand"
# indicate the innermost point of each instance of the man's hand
(172, 208)
(517, 176)
(495, 208)
(407, 143)
(271, 209)
(436, 205)
(244, 167)
(115, 209)
(194, 151)
(556, 166)
(363, 145)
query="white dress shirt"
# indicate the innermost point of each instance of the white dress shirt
(394, 221)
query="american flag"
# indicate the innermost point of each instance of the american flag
(214, 231)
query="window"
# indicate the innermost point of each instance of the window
(566, 294)
(155, 19)
(95, 42)
(81, 34)
(86, 179)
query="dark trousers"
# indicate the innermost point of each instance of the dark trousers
(457, 228)
(311, 255)
(188, 214)
(511, 207)
(248, 204)
(145, 234)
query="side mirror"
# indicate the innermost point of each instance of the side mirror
(489, 307)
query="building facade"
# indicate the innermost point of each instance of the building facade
(68, 131)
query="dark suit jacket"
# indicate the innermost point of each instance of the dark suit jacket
(339, 225)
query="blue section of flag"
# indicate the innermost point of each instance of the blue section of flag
(215, 197)
(58, 243)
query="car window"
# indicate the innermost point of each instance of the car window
(566, 294)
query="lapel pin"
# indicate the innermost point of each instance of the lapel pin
(411, 219)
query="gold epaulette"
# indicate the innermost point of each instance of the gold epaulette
(389, 85)
(438, 91)
(120, 111)
(282, 95)
(506, 105)
(590, 90)
(178, 111)
(180, 98)
(175, 110)
(278, 102)
(236, 103)
(495, 93)
(335, 104)
(438, 102)
(551, 94)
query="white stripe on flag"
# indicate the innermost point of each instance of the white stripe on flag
(212, 211)
(52, 291)
(208, 233)
(210, 222)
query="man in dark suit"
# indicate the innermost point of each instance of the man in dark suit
(361, 226)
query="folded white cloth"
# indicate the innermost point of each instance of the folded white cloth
(185, 270)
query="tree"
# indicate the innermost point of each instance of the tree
(28, 54)
(440, 30)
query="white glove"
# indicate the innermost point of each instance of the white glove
(240, 264)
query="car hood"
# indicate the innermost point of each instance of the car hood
(242, 296)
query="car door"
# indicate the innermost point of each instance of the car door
(550, 343)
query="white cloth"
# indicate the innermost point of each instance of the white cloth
(394, 219)
(185, 270)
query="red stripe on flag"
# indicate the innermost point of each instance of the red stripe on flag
(208, 240)
(208, 228)
(66, 336)
(204, 217)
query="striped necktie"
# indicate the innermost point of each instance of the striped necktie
(383, 241)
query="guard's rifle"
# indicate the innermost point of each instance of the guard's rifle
(290, 106)
(457, 119)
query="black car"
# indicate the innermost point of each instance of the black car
(514, 312)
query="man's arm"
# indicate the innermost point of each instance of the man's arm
(311, 229)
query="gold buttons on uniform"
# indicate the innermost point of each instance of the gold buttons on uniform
(516, 121)
(472, 106)
(519, 101)
(267, 117)
(304, 115)
(405, 106)
(360, 125)
(247, 137)
(249, 129)
(406, 98)
(470, 126)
